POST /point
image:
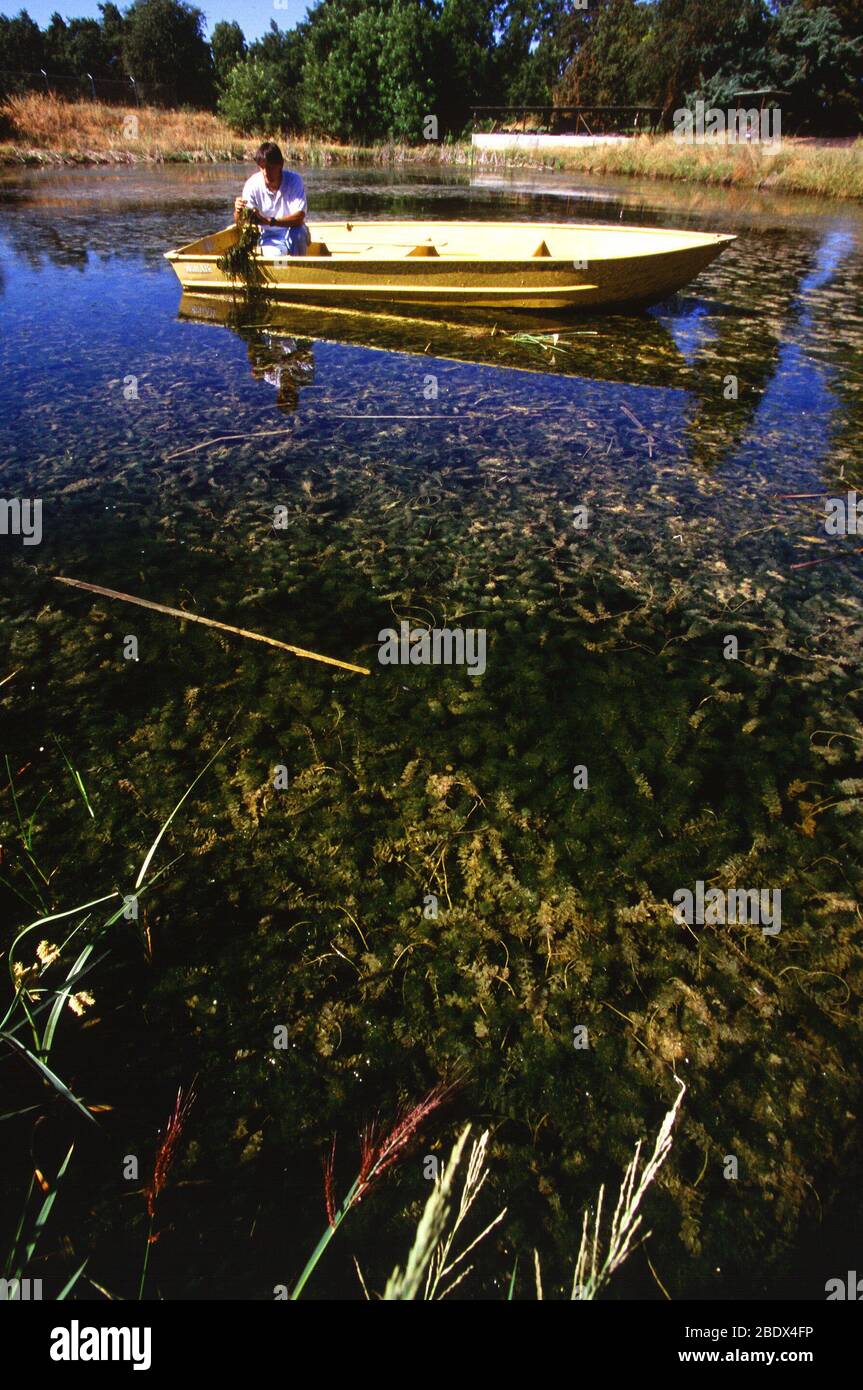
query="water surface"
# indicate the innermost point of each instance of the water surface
(432, 474)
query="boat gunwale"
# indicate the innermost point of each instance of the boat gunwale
(699, 240)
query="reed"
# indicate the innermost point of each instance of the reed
(38, 1000)
(795, 166)
(166, 1154)
(377, 1154)
(431, 1263)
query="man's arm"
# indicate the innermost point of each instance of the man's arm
(296, 219)
(246, 202)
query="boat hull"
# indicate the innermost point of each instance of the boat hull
(487, 266)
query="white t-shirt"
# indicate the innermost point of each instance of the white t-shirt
(288, 199)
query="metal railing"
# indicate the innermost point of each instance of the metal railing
(565, 120)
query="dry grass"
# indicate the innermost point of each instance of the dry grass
(829, 171)
(41, 129)
(38, 128)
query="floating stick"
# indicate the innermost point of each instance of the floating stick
(210, 622)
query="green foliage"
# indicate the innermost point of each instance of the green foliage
(253, 99)
(529, 52)
(466, 36)
(260, 93)
(340, 92)
(407, 79)
(163, 42)
(228, 47)
(610, 63)
(819, 65)
(671, 52)
(22, 44)
(372, 70)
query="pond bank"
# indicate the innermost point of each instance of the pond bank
(43, 130)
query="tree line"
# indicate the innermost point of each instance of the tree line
(370, 70)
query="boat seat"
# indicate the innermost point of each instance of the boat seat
(318, 248)
(423, 250)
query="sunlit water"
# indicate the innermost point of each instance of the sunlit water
(431, 473)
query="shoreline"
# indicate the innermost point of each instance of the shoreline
(89, 134)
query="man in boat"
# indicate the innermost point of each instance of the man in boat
(276, 198)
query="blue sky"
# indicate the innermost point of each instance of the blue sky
(253, 16)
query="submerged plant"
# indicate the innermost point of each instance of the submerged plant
(240, 261)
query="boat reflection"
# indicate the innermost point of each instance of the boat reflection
(635, 350)
(682, 349)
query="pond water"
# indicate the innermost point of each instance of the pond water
(318, 478)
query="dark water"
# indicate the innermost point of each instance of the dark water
(431, 474)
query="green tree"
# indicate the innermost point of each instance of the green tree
(819, 66)
(736, 57)
(609, 65)
(22, 44)
(77, 47)
(406, 63)
(113, 27)
(261, 93)
(465, 35)
(340, 84)
(228, 47)
(530, 50)
(164, 42)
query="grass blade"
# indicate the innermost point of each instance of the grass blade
(155, 845)
(76, 778)
(45, 1210)
(48, 1074)
(62, 997)
(71, 1282)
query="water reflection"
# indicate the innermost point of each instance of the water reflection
(285, 362)
(636, 350)
(710, 365)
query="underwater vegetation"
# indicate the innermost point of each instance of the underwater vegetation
(307, 907)
(360, 891)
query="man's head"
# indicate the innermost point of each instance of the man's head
(269, 159)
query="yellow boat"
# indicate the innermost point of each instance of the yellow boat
(473, 265)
